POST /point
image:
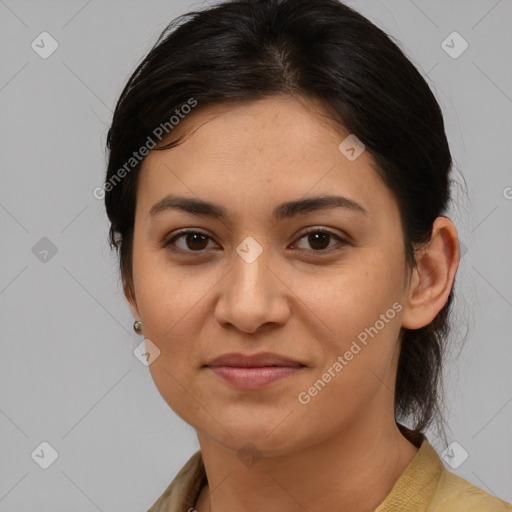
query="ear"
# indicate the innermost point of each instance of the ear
(129, 293)
(433, 277)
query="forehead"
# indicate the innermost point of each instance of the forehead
(257, 154)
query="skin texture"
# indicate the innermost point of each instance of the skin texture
(342, 449)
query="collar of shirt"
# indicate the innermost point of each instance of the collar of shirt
(424, 486)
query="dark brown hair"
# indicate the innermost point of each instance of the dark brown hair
(251, 49)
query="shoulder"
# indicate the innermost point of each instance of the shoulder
(428, 485)
(181, 494)
(456, 494)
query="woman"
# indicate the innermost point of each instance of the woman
(277, 182)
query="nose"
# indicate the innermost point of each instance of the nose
(253, 295)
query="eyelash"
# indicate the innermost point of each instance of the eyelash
(182, 234)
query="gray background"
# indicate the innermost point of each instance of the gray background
(68, 375)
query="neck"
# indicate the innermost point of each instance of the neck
(354, 470)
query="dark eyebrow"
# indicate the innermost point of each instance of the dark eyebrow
(282, 211)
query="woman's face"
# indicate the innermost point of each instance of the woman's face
(256, 282)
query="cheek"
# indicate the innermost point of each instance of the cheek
(352, 299)
(167, 295)
(359, 310)
(168, 308)
(171, 309)
(356, 358)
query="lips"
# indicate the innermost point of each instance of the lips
(253, 371)
(262, 359)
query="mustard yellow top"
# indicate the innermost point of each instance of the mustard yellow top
(424, 486)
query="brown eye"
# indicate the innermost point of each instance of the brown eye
(318, 240)
(191, 241)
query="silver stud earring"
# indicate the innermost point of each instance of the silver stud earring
(137, 327)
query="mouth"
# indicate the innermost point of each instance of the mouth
(259, 360)
(254, 378)
(253, 371)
